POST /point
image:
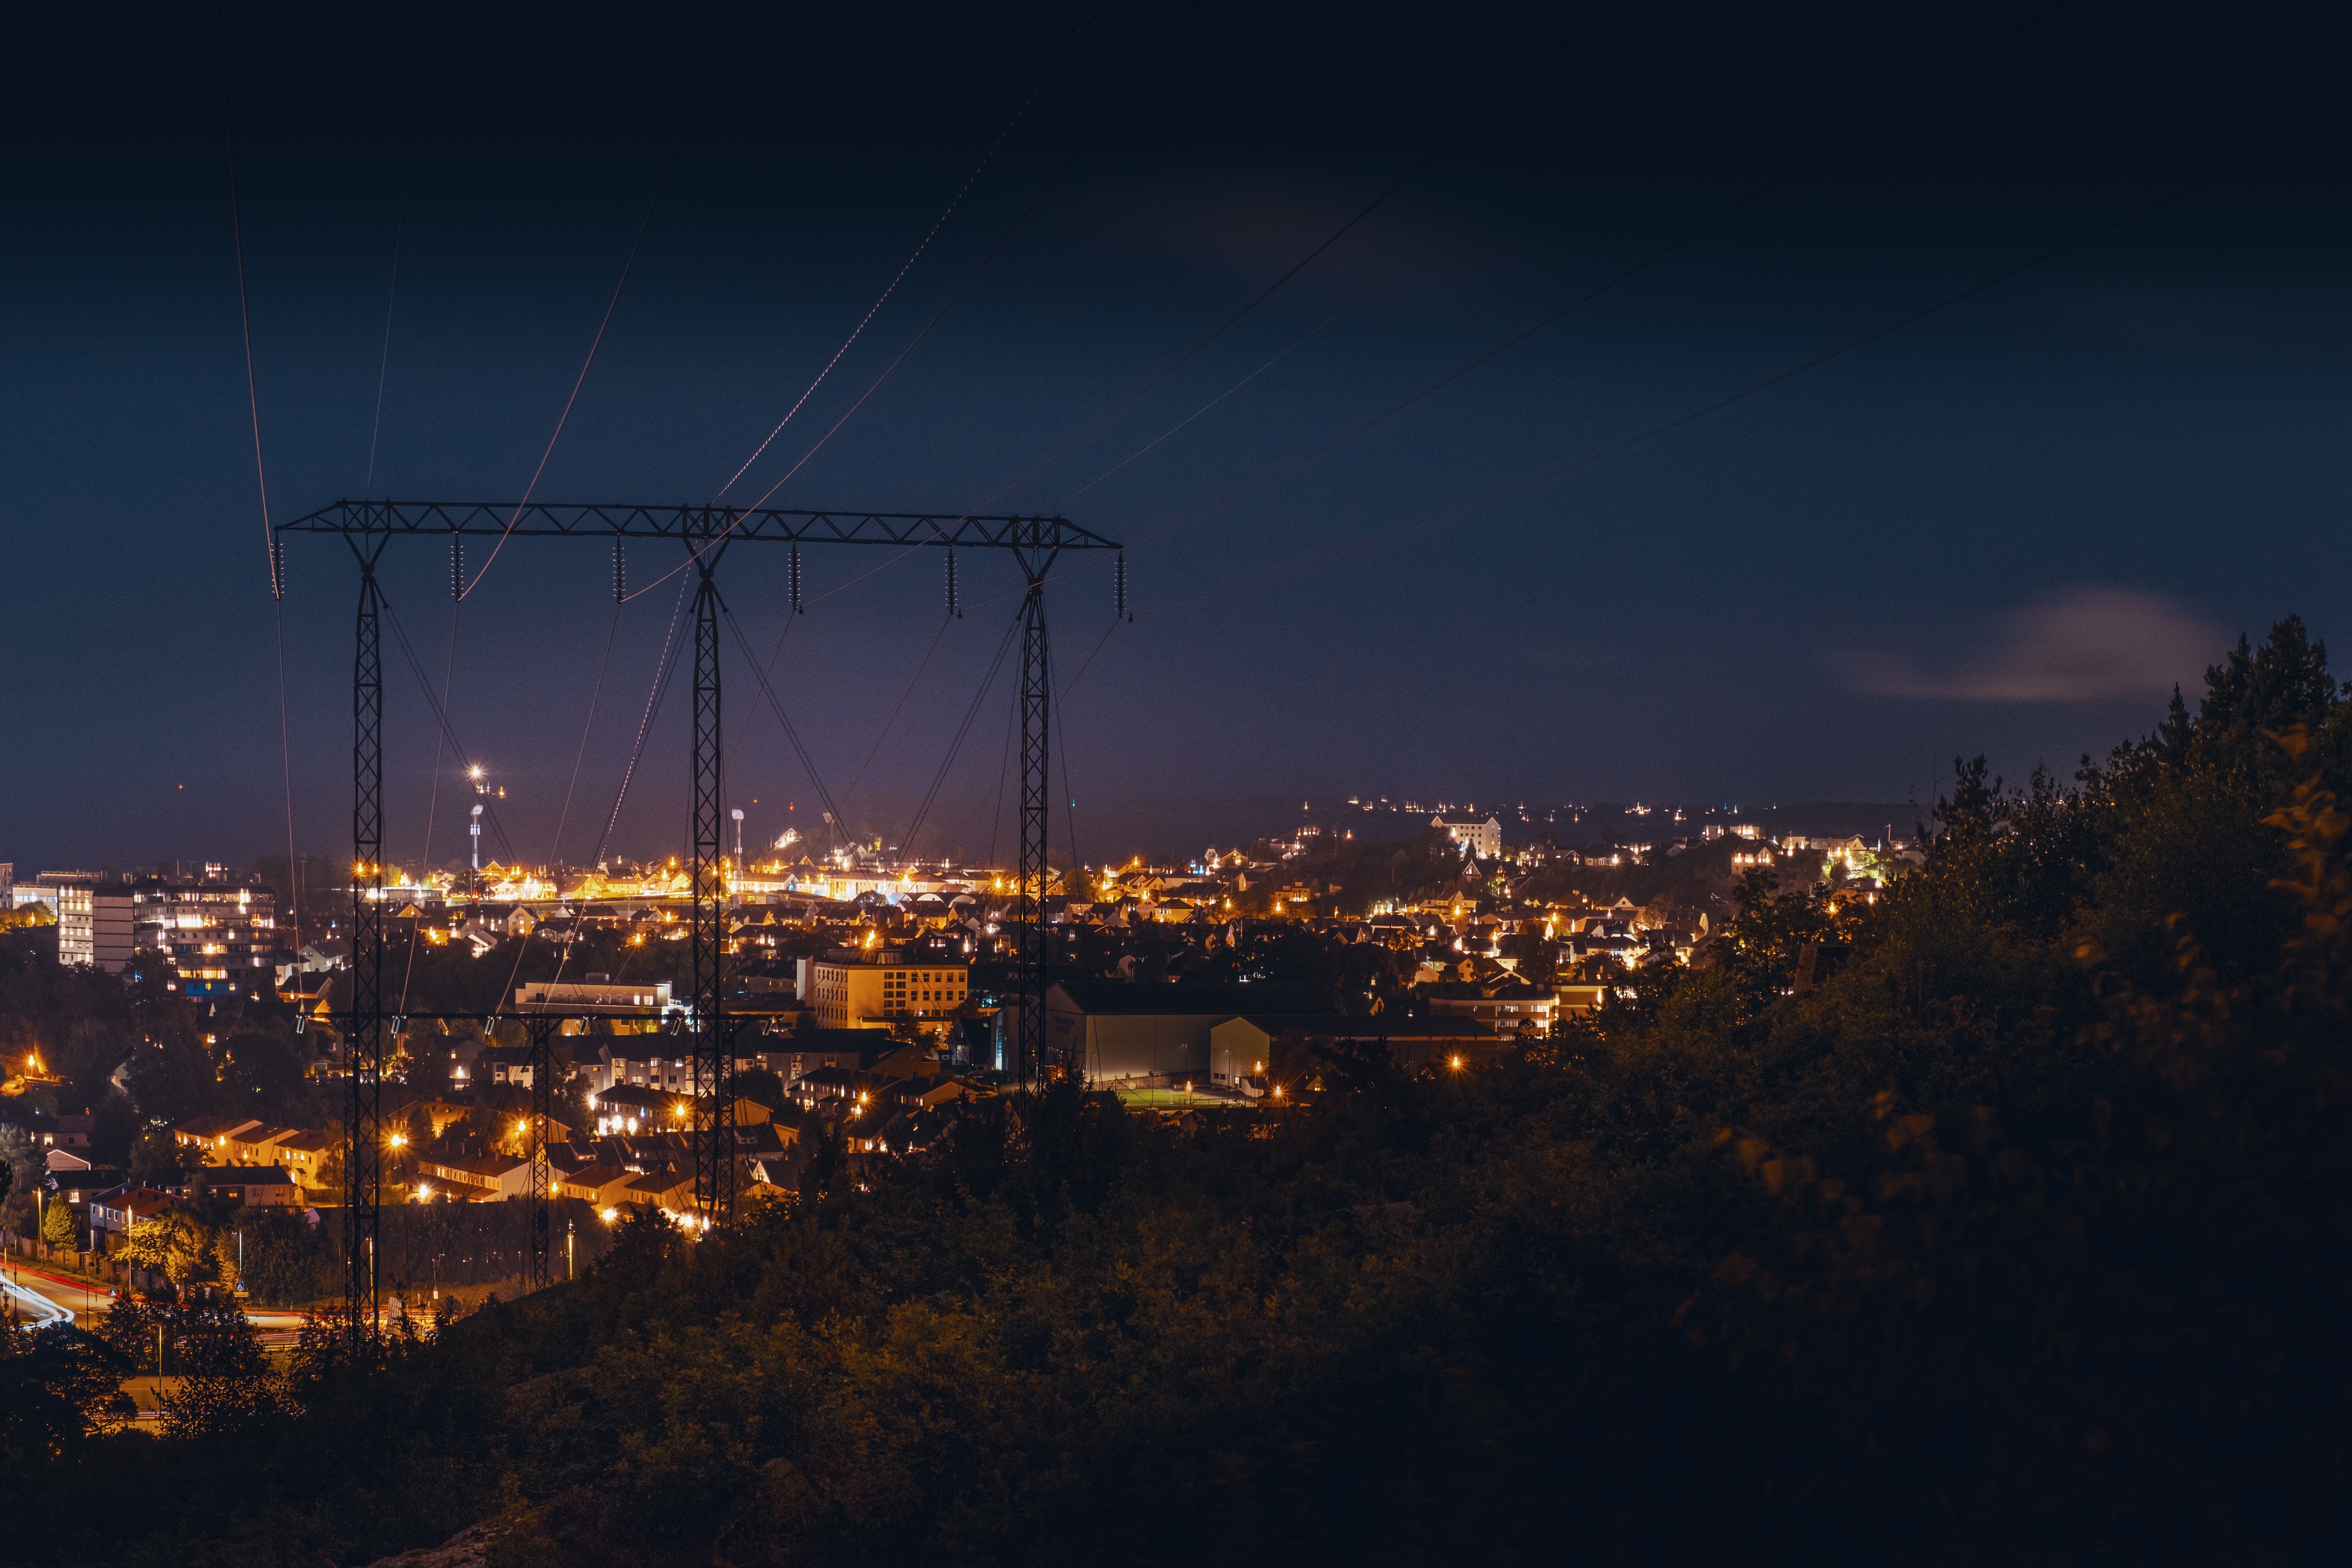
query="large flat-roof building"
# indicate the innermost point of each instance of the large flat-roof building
(94, 922)
(1114, 1031)
(871, 987)
(219, 933)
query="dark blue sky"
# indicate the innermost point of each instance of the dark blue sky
(2005, 528)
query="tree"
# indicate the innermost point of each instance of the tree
(172, 1078)
(227, 1387)
(288, 1260)
(55, 1383)
(262, 1072)
(58, 1227)
(157, 1160)
(22, 1164)
(172, 1244)
(114, 1124)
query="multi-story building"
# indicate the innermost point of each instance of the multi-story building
(1484, 839)
(220, 934)
(868, 988)
(94, 922)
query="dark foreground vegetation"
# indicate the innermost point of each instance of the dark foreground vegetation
(2026, 1238)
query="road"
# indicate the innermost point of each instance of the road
(53, 1298)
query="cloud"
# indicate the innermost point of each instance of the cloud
(2086, 645)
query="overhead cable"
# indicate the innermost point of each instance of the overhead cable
(663, 666)
(955, 742)
(1160, 530)
(384, 354)
(791, 732)
(1502, 494)
(900, 276)
(677, 144)
(1293, 346)
(1053, 455)
(244, 306)
(555, 845)
(950, 304)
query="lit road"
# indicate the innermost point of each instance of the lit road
(51, 1297)
(34, 1309)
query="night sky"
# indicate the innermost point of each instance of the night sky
(2007, 527)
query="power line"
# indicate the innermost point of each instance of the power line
(433, 799)
(384, 356)
(1273, 473)
(663, 666)
(1513, 490)
(555, 845)
(950, 304)
(261, 479)
(425, 684)
(1296, 344)
(676, 144)
(791, 732)
(1055, 455)
(955, 744)
(931, 234)
(244, 306)
(896, 707)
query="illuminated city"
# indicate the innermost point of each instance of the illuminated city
(1174, 784)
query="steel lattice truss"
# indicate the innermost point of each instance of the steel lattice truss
(705, 533)
(693, 525)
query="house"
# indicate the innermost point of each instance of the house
(628, 1108)
(257, 1145)
(1574, 999)
(479, 1177)
(306, 1153)
(75, 1179)
(444, 1056)
(440, 1115)
(207, 1137)
(118, 1210)
(669, 1189)
(505, 1064)
(641, 1061)
(1484, 839)
(1247, 1048)
(1505, 1006)
(596, 995)
(792, 1056)
(603, 1186)
(253, 1186)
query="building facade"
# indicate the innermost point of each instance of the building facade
(220, 934)
(94, 924)
(857, 987)
(1484, 839)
